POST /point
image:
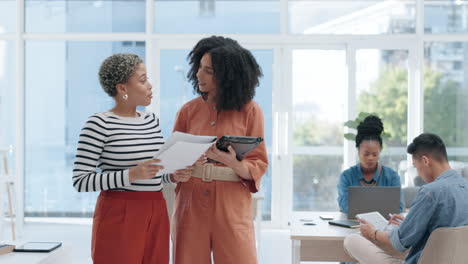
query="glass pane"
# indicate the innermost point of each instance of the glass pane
(217, 17)
(85, 16)
(62, 91)
(263, 97)
(265, 188)
(7, 16)
(319, 85)
(7, 103)
(175, 91)
(445, 93)
(395, 158)
(444, 16)
(351, 17)
(382, 88)
(315, 180)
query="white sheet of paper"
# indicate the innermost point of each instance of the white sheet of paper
(376, 219)
(180, 155)
(182, 150)
(179, 136)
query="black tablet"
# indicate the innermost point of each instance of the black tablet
(345, 223)
(37, 247)
(242, 145)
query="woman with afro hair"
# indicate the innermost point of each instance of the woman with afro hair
(212, 212)
(369, 172)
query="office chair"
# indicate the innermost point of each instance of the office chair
(446, 245)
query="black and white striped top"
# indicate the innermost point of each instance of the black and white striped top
(110, 145)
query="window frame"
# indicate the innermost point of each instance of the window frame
(281, 44)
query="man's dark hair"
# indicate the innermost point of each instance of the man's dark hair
(235, 70)
(429, 145)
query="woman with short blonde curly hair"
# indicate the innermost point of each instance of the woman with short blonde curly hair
(115, 156)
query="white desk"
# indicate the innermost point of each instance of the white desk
(320, 242)
(61, 255)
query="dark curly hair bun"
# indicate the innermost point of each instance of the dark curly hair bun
(370, 128)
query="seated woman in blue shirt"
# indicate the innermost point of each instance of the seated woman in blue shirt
(369, 172)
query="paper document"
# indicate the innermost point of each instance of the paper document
(376, 219)
(182, 150)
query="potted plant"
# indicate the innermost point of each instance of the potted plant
(355, 123)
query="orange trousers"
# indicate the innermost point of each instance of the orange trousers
(130, 228)
(213, 217)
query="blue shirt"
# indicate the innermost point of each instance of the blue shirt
(442, 203)
(351, 177)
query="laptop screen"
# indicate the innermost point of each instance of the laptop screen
(363, 199)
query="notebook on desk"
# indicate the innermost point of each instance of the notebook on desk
(344, 223)
(363, 199)
(5, 248)
(42, 247)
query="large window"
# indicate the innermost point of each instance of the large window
(175, 89)
(351, 17)
(217, 17)
(444, 16)
(324, 61)
(85, 16)
(445, 95)
(319, 85)
(7, 100)
(62, 91)
(7, 16)
(382, 88)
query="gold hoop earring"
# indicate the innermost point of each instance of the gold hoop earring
(125, 97)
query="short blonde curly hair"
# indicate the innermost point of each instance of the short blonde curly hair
(116, 69)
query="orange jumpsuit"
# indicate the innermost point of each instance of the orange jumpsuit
(216, 216)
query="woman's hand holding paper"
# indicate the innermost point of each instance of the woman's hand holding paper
(202, 160)
(145, 170)
(182, 175)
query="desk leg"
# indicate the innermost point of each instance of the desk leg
(296, 251)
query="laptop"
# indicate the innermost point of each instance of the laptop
(364, 199)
